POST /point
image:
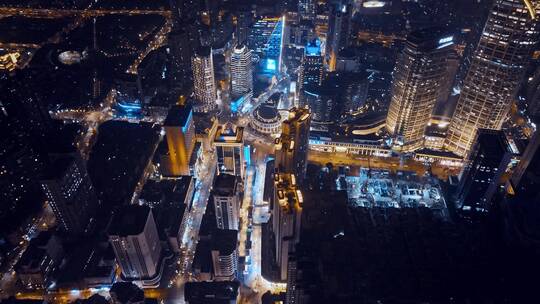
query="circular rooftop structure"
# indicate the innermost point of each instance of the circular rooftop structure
(266, 119)
(70, 57)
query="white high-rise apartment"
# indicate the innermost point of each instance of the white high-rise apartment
(203, 79)
(241, 72)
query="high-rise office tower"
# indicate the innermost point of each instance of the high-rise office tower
(229, 146)
(222, 29)
(244, 20)
(307, 9)
(418, 75)
(311, 70)
(286, 218)
(226, 202)
(241, 72)
(70, 193)
(180, 133)
(487, 162)
(347, 61)
(266, 39)
(292, 145)
(522, 195)
(300, 33)
(339, 30)
(183, 40)
(203, 79)
(212, 292)
(496, 71)
(185, 11)
(532, 96)
(260, 34)
(452, 67)
(181, 46)
(134, 237)
(352, 90)
(224, 254)
(323, 100)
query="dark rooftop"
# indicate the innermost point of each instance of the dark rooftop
(267, 112)
(31, 259)
(168, 220)
(57, 169)
(224, 185)
(170, 192)
(204, 51)
(224, 241)
(430, 37)
(129, 220)
(177, 116)
(126, 292)
(211, 292)
(118, 159)
(203, 122)
(492, 142)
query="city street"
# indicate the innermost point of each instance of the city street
(389, 163)
(191, 229)
(253, 196)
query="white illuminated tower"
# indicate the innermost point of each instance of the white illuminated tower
(241, 73)
(496, 71)
(420, 72)
(203, 79)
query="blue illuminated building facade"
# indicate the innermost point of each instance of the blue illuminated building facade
(128, 98)
(311, 72)
(266, 41)
(129, 108)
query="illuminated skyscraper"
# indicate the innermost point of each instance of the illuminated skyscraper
(532, 96)
(203, 79)
(292, 146)
(496, 71)
(266, 40)
(523, 196)
(70, 193)
(224, 255)
(181, 46)
(307, 9)
(480, 179)
(311, 71)
(286, 218)
(339, 29)
(180, 132)
(419, 73)
(259, 35)
(274, 50)
(134, 238)
(352, 89)
(241, 73)
(229, 146)
(323, 101)
(244, 19)
(226, 201)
